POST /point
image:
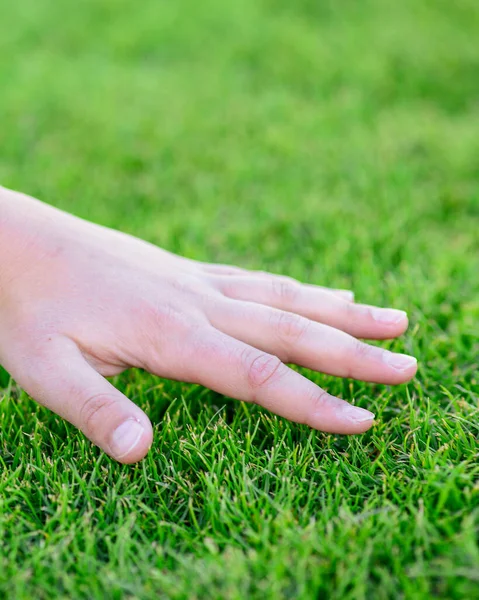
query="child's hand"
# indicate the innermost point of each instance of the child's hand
(79, 302)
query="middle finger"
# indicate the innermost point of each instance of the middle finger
(315, 303)
(298, 340)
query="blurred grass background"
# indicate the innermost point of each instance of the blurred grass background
(337, 142)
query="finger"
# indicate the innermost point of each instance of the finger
(228, 270)
(304, 342)
(63, 381)
(315, 303)
(235, 369)
(224, 269)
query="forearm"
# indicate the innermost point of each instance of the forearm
(13, 211)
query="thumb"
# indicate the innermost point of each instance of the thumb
(63, 381)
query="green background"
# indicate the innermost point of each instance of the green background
(336, 142)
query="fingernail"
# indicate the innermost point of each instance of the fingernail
(401, 362)
(346, 294)
(358, 415)
(126, 437)
(388, 315)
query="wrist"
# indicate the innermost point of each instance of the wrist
(20, 219)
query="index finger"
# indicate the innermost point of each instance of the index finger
(235, 369)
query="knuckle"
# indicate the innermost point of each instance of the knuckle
(290, 326)
(92, 412)
(168, 316)
(173, 343)
(361, 350)
(318, 401)
(203, 344)
(352, 312)
(196, 292)
(165, 316)
(285, 290)
(190, 285)
(261, 368)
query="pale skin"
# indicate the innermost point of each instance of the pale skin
(80, 302)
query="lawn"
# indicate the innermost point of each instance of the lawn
(337, 142)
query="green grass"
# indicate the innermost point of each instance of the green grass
(337, 142)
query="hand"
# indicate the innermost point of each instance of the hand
(79, 302)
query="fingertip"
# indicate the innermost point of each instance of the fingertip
(402, 325)
(403, 366)
(385, 323)
(334, 415)
(347, 295)
(131, 440)
(390, 317)
(355, 419)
